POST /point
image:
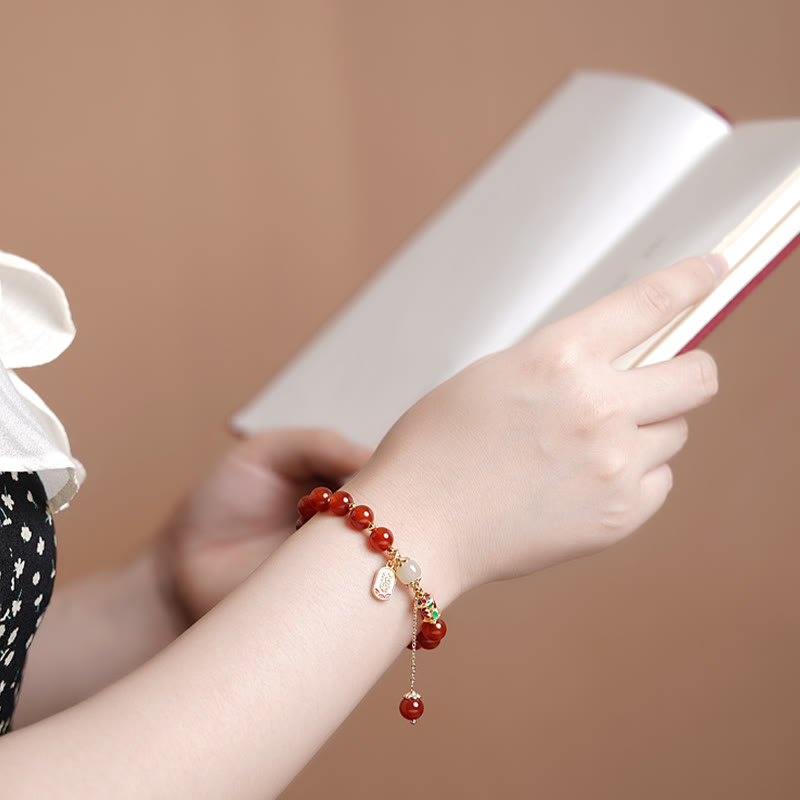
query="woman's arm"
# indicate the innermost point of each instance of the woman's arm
(100, 628)
(535, 455)
(240, 702)
(94, 631)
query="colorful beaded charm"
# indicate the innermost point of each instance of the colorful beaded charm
(427, 606)
(398, 568)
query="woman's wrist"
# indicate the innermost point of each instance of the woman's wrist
(400, 565)
(418, 533)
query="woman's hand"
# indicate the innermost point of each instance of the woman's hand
(544, 452)
(244, 510)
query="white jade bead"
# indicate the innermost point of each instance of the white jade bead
(408, 572)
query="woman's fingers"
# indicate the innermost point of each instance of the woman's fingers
(674, 387)
(654, 488)
(620, 321)
(661, 441)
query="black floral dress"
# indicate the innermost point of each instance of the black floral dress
(27, 574)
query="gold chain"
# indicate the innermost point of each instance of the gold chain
(413, 645)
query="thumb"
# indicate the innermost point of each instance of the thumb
(302, 453)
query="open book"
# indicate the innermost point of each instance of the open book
(613, 177)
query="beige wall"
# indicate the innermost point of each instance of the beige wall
(210, 181)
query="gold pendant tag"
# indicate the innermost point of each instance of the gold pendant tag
(383, 583)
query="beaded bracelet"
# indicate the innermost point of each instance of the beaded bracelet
(398, 568)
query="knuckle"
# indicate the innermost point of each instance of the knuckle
(556, 359)
(592, 411)
(655, 299)
(612, 463)
(565, 357)
(615, 519)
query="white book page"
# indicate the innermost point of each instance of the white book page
(563, 190)
(740, 200)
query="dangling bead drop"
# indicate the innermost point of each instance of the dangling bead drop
(411, 705)
(397, 568)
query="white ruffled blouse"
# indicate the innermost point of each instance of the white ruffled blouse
(35, 327)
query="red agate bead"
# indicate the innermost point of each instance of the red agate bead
(381, 539)
(360, 517)
(320, 498)
(433, 631)
(424, 642)
(304, 507)
(340, 503)
(411, 707)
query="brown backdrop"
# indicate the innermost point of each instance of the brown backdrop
(210, 181)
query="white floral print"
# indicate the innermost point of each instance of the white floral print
(27, 570)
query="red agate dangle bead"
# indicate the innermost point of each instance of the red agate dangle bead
(433, 630)
(430, 634)
(411, 706)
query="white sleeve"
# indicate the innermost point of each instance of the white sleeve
(35, 327)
